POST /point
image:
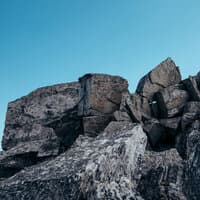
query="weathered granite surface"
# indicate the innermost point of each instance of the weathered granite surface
(28, 116)
(95, 140)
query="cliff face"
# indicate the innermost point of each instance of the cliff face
(93, 139)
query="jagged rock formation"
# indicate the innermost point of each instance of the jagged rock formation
(94, 140)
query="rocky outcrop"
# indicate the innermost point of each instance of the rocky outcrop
(100, 96)
(94, 140)
(163, 175)
(28, 117)
(40, 125)
(162, 76)
(94, 168)
(169, 102)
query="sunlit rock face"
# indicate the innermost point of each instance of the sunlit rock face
(94, 139)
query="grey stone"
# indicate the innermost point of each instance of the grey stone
(105, 167)
(171, 124)
(154, 131)
(192, 88)
(93, 125)
(160, 136)
(192, 107)
(192, 173)
(191, 113)
(67, 142)
(162, 176)
(115, 127)
(163, 75)
(136, 106)
(133, 105)
(121, 116)
(170, 101)
(100, 94)
(29, 117)
(193, 138)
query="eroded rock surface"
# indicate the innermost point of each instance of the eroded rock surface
(107, 170)
(94, 140)
(162, 76)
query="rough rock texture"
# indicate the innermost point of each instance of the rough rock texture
(192, 86)
(162, 76)
(100, 96)
(170, 101)
(163, 175)
(93, 125)
(100, 93)
(107, 170)
(95, 140)
(121, 116)
(44, 107)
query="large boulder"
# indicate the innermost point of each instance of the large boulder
(191, 113)
(169, 102)
(190, 126)
(105, 167)
(93, 125)
(192, 172)
(154, 131)
(162, 176)
(162, 76)
(43, 115)
(134, 107)
(100, 94)
(172, 124)
(161, 134)
(192, 88)
(121, 116)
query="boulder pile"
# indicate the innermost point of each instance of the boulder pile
(93, 139)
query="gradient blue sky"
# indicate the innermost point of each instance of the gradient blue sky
(44, 42)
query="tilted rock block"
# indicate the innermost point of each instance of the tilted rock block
(100, 93)
(105, 167)
(171, 124)
(27, 154)
(41, 114)
(93, 125)
(121, 116)
(155, 131)
(192, 88)
(114, 127)
(190, 114)
(192, 171)
(192, 107)
(134, 107)
(160, 136)
(163, 75)
(169, 102)
(193, 139)
(163, 175)
(190, 122)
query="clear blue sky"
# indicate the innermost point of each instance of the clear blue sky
(44, 42)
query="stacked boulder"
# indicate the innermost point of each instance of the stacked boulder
(93, 139)
(100, 96)
(39, 126)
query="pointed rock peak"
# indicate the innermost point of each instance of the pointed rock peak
(168, 59)
(163, 75)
